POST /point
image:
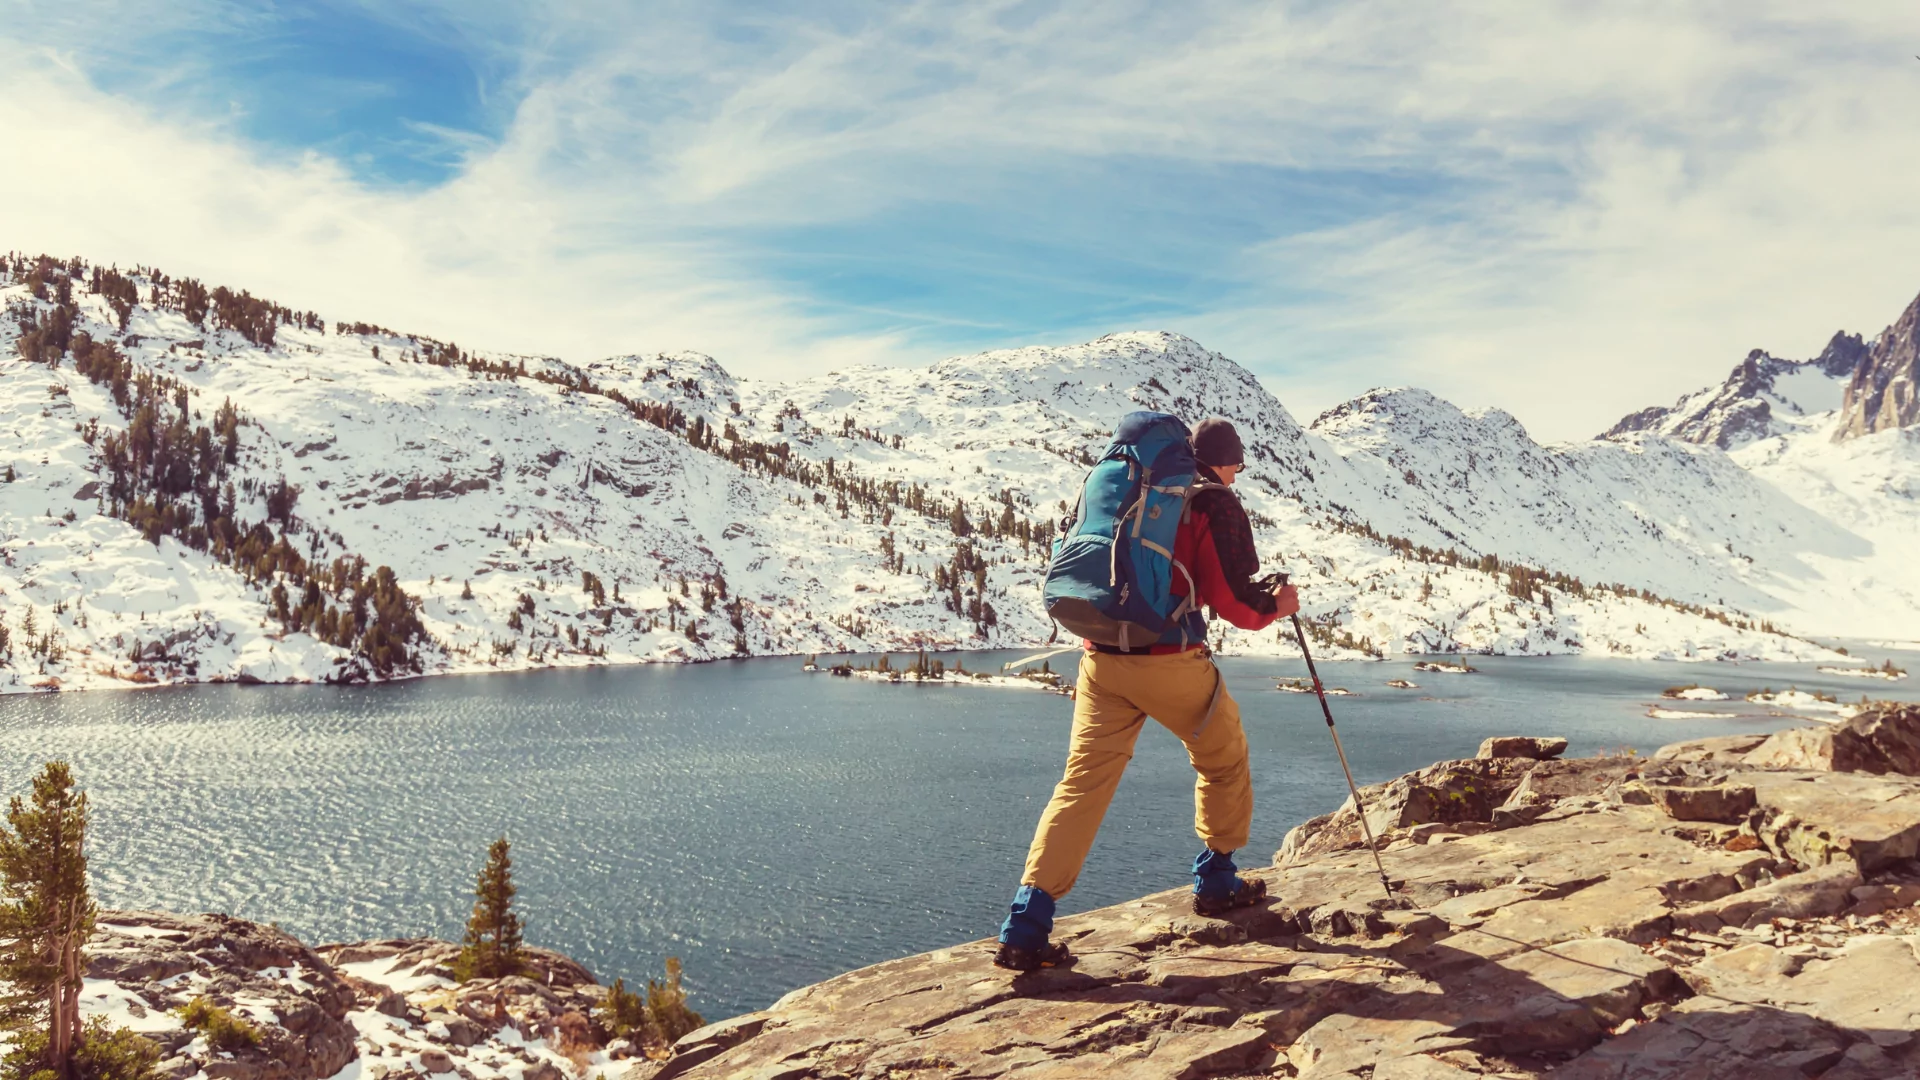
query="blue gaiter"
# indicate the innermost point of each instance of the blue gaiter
(1029, 920)
(1214, 873)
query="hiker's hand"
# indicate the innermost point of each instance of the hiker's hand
(1288, 600)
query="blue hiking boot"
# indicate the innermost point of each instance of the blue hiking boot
(1218, 886)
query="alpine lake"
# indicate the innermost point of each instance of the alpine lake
(770, 827)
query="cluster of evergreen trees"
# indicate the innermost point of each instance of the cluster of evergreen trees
(967, 563)
(251, 317)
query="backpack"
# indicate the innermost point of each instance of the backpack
(1111, 578)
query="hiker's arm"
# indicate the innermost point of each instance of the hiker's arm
(1224, 566)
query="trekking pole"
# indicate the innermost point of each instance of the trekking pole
(1300, 635)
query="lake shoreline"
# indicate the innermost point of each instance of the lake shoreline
(600, 663)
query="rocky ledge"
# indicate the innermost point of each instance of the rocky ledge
(1738, 908)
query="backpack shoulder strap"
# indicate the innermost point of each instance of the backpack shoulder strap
(1198, 488)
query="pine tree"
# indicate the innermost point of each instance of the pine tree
(667, 1006)
(624, 1014)
(491, 948)
(46, 914)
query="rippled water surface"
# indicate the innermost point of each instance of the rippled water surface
(770, 827)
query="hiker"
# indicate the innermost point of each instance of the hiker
(1170, 677)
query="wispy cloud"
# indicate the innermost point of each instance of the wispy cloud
(1562, 210)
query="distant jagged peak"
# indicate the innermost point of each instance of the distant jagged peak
(1884, 392)
(1842, 355)
(1763, 396)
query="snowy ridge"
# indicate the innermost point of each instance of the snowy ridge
(729, 517)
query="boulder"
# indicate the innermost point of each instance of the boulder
(1460, 794)
(1726, 803)
(1883, 738)
(1522, 746)
(1795, 748)
(1813, 819)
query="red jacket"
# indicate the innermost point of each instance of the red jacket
(1215, 544)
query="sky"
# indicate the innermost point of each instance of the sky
(1565, 210)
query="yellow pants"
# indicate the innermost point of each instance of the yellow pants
(1185, 694)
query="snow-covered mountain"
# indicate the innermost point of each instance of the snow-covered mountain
(200, 484)
(1839, 436)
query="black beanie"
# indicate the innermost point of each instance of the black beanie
(1216, 443)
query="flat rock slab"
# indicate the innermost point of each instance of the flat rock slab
(1817, 818)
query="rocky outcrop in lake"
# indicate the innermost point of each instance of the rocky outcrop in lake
(1705, 913)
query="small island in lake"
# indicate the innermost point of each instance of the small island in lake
(1442, 667)
(925, 669)
(1885, 671)
(1305, 686)
(1693, 692)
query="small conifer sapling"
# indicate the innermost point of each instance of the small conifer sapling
(491, 948)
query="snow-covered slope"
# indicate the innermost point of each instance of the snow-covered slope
(656, 508)
(1827, 435)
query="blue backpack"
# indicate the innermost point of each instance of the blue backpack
(1111, 579)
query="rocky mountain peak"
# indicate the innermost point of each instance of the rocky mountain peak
(1761, 397)
(1884, 393)
(1842, 354)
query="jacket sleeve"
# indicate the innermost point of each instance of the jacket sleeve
(1225, 562)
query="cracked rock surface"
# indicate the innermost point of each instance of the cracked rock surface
(1697, 915)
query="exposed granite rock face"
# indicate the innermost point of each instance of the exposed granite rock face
(1884, 738)
(1556, 919)
(1884, 392)
(143, 965)
(1461, 793)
